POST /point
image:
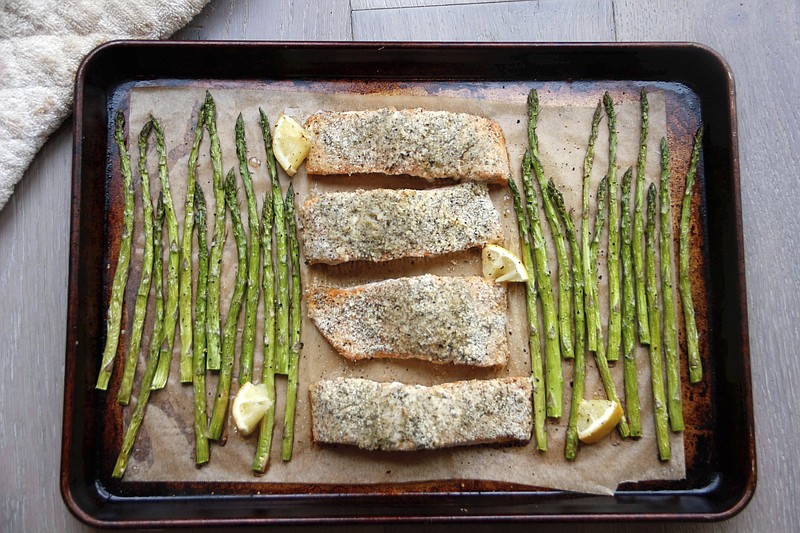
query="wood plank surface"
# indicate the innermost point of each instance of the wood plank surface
(760, 40)
(359, 5)
(528, 21)
(271, 20)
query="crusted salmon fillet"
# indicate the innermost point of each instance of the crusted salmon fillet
(385, 224)
(416, 142)
(459, 320)
(394, 416)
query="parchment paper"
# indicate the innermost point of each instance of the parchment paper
(165, 447)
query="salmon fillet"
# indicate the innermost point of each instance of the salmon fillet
(385, 224)
(459, 320)
(397, 417)
(416, 142)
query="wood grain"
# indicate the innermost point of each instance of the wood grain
(357, 5)
(278, 20)
(34, 247)
(589, 20)
(759, 39)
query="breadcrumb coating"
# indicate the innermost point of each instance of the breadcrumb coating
(416, 142)
(385, 224)
(398, 417)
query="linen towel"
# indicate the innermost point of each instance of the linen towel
(42, 43)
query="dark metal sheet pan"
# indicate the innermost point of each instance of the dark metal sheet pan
(720, 442)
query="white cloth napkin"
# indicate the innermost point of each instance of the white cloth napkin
(42, 42)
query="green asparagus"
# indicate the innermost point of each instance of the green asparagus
(185, 295)
(199, 345)
(589, 296)
(264, 445)
(123, 259)
(251, 300)
(654, 316)
(155, 343)
(638, 228)
(600, 353)
(685, 283)
(629, 312)
(614, 309)
(670, 327)
(554, 380)
(281, 253)
(564, 284)
(534, 342)
(294, 335)
(171, 308)
(599, 221)
(579, 368)
(143, 294)
(218, 413)
(213, 320)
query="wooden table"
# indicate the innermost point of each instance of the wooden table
(760, 40)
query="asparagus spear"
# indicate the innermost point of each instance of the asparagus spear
(564, 284)
(600, 353)
(220, 408)
(213, 319)
(599, 221)
(142, 295)
(615, 317)
(553, 377)
(654, 316)
(123, 259)
(199, 346)
(670, 327)
(537, 364)
(171, 309)
(589, 295)
(251, 300)
(294, 334)
(155, 342)
(185, 295)
(261, 457)
(579, 369)
(281, 253)
(685, 283)
(638, 228)
(629, 312)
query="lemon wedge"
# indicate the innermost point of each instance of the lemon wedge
(597, 418)
(290, 143)
(249, 407)
(501, 265)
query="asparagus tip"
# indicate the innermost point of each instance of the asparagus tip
(533, 100)
(627, 178)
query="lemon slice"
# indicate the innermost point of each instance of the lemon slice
(597, 418)
(501, 265)
(249, 407)
(290, 143)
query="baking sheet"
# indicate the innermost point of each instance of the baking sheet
(164, 449)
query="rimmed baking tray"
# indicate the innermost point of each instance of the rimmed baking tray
(719, 442)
